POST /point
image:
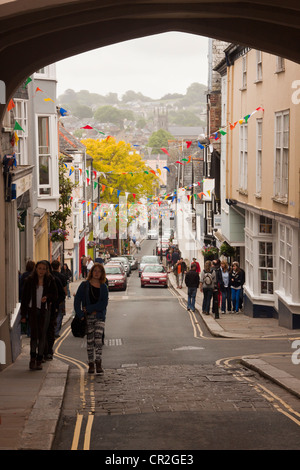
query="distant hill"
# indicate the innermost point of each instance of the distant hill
(184, 110)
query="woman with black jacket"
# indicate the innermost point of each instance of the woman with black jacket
(192, 280)
(236, 282)
(39, 293)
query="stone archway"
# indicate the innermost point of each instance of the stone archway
(35, 34)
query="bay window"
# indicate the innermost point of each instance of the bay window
(44, 155)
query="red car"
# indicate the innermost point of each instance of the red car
(116, 277)
(154, 275)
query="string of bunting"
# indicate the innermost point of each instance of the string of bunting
(63, 112)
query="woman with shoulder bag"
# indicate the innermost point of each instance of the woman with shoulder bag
(90, 303)
(39, 293)
(207, 286)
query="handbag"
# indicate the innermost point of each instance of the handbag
(78, 327)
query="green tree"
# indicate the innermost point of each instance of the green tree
(111, 114)
(124, 168)
(59, 219)
(184, 118)
(159, 139)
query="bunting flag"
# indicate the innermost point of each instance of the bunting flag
(18, 127)
(165, 151)
(27, 82)
(11, 105)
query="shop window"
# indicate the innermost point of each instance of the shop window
(266, 267)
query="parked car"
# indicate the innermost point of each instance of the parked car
(116, 277)
(151, 259)
(124, 261)
(154, 275)
(132, 260)
(152, 234)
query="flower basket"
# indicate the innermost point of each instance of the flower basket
(210, 253)
(227, 250)
(58, 235)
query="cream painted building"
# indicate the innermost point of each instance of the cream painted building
(262, 178)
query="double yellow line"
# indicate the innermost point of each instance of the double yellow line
(280, 405)
(82, 383)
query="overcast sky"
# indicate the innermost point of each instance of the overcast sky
(154, 66)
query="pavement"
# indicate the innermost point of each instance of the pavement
(31, 401)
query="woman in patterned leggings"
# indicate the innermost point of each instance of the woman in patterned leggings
(90, 303)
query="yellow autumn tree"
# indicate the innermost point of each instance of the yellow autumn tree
(124, 170)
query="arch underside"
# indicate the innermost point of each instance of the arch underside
(52, 31)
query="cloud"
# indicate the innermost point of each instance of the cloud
(154, 66)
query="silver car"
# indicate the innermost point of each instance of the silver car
(148, 260)
(123, 260)
(133, 262)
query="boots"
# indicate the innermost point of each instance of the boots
(91, 368)
(99, 369)
(32, 364)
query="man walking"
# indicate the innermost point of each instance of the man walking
(192, 281)
(179, 271)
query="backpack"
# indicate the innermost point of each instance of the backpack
(207, 280)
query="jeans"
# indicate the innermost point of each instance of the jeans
(192, 292)
(179, 279)
(226, 295)
(207, 295)
(235, 297)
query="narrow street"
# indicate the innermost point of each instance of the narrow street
(169, 385)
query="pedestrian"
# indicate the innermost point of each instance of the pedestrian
(39, 293)
(138, 245)
(29, 270)
(89, 265)
(25, 329)
(169, 258)
(236, 279)
(192, 281)
(198, 269)
(207, 285)
(66, 271)
(61, 282)
(90, 303)
(175, 257)
(241, 301)
(84, 261)
(216, 265)
(225, 287)
(179, 271)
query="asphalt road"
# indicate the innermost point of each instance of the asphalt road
(169, 385)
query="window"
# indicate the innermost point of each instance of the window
(209, 226)
(44, 155)
(266, 267)
(280, 64)
(258, 156)
(265, 225)
(243, 173)
(21, 148)
(285, 259)
(244, 72)
(281, 155)
(249, 262)
(258, 66)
